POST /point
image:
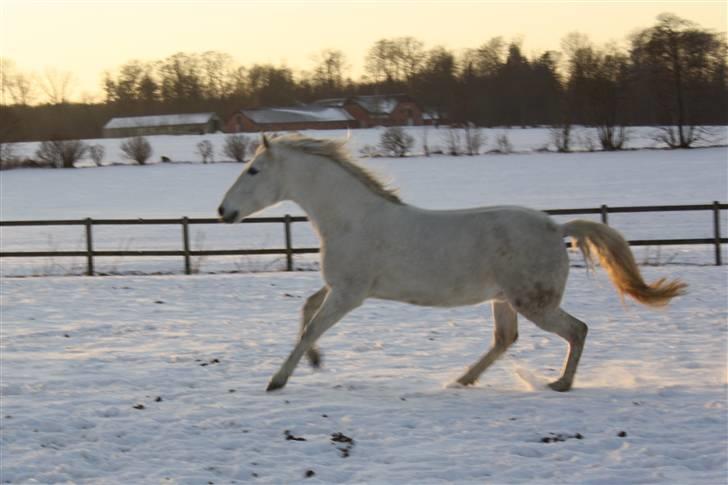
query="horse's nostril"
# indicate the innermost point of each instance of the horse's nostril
(220, 211)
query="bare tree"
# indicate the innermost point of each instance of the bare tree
(17, 87)
(612, 137)
(137, 148)
(57, 85)
(561, 137)
(396, 141)
(683, 62)
(206, 151)
(61, 153)
(453, 142)
(474, 139)
(329, 70)
(235, 147)
(96, 152)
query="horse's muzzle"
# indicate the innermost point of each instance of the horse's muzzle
(228, 217)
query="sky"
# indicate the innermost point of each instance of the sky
(88, 37)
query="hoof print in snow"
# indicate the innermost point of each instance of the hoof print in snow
(309, 473)
(622, 434)
(558, 437)
(205, 364)
(159, 302)
(139, 406)
(347, 441)
(158, 399)
(291, 437)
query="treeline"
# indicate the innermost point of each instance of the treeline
(672, 73)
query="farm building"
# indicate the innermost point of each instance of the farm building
(379, 110)
(180, 124)
(291, 118)
(351, 112)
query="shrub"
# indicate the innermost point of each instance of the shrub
(61, 153)
(561, 137)
(96, 152)
(137, 148)
(206, 151)
(503, 144)
(612, 137)
(235, 147)
(7, 152)
(474, 139)
(396, 141)
(452, 141)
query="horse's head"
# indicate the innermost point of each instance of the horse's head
(258, 187)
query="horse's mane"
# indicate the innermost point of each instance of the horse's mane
(335, 151)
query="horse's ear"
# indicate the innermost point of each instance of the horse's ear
(264, 140)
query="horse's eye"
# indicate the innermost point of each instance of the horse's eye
(253, 170)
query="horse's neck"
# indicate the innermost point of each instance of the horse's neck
(332, 197)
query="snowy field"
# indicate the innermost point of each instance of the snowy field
(160, 379)
(539, 180)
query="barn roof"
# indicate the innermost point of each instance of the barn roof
(159, 120)
(374, 104)
(297, 114)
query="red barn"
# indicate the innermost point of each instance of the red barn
(330, 114)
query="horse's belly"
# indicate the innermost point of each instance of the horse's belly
(439, 292)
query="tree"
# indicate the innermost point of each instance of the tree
(17, 87)
(206, 151)
(137, 148)
(396, 141)
(436, 84)
(61, 153)
(328, 72)
(684, 64)
(57, 85)
(394, 61)
(235, 147)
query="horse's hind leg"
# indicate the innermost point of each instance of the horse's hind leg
(504, 334)
(313, 303)
(573, 331)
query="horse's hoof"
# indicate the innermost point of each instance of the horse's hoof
(274, 385)
(560, 386)
(314, 358)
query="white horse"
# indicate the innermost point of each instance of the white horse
(375, 246)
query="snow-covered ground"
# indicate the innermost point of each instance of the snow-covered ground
(539, 180)
(160, 379)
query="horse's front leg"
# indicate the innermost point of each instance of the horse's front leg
(336, 304)
(313, 303)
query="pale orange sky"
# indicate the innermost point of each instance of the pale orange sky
(89, 37)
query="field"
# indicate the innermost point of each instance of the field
(539, 180)
(160, 379)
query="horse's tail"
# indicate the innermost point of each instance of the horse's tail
(615, 255)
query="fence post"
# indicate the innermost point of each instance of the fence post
(605, 214)
(289, 249)
(186, 244)
(89, 247)
(716, 232)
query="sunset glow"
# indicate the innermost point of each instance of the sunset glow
(87, 38)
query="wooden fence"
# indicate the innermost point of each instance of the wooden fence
(289, 250)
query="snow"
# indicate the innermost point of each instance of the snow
(160, 379)
(298, 114)
(81, 356)
(159, 120)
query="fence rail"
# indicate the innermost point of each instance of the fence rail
(289, 250)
